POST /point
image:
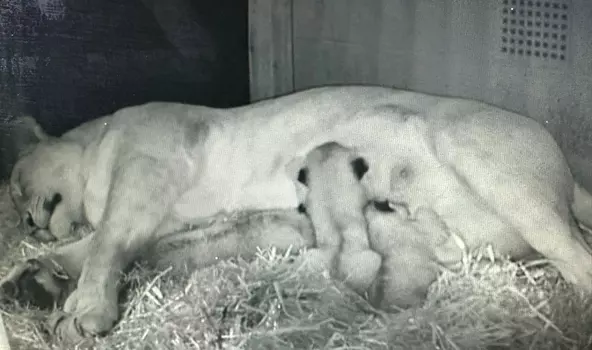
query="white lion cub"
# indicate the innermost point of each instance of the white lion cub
(415, 249)
(335, 202)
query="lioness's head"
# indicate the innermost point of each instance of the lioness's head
(46, 186)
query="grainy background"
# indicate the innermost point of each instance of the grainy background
(67, 61)
(533, 57)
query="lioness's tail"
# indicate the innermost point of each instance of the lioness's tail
(582, 206)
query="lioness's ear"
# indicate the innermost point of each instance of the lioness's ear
(15, 188)
(303, 176)
(360, 167)
(30, 123)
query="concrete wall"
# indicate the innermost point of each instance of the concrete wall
(456, 48)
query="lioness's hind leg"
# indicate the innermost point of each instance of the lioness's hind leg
(578, 234)
(241, 235)
(553, 234)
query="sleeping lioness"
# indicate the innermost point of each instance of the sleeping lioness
(493, 176)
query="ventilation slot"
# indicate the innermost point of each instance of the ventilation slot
(535, 28)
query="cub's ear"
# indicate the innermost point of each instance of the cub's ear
(359, 167)
(303, 176)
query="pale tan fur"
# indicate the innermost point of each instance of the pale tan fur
(414, 249)
(335, 202)
(491, 175)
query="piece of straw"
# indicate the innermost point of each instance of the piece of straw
(4, 345)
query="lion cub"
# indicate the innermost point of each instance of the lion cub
(414, 250)
(335, 202)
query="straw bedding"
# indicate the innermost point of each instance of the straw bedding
(270, 303)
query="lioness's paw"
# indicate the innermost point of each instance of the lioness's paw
(86, 315)
(37, 282)
(72, 328)
(68, 330)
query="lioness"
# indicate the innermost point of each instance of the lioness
(335, 203)
(491, 175)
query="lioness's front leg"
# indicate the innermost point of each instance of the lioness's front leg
(143, 191)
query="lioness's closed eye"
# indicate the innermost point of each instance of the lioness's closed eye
(39, 218)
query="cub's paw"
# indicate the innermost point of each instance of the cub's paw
(318, 260)
(400, 286)
(87, 314)
(37, 282)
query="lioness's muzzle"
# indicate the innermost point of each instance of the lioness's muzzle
(35, 221)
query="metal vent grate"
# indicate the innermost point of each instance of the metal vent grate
(535, 28)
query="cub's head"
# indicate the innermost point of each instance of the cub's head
(46, 188)
(327, 164)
